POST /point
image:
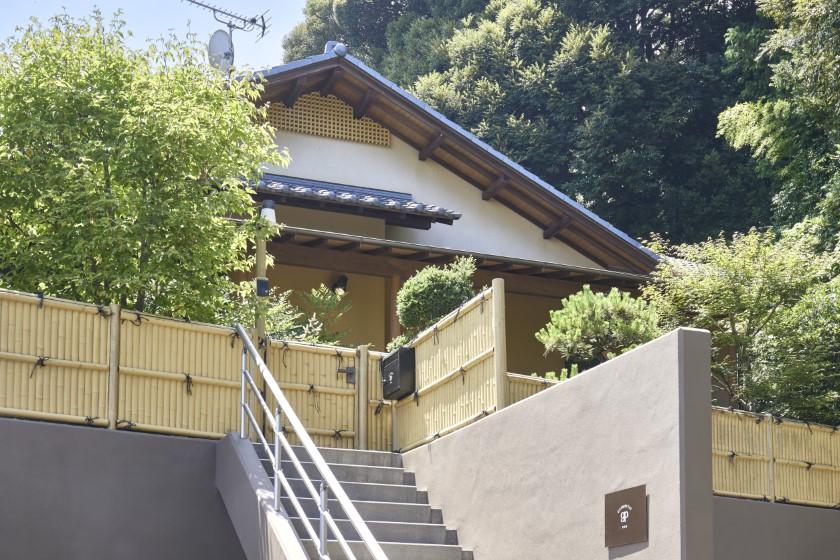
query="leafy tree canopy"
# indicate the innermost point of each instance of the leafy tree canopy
(789, 114)
(746, 291)
(120, 169)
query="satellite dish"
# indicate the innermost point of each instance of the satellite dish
(220, 50)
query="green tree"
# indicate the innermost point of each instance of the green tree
(739, 289)
(797, 365)
(590, 328)
(630, 134)
(788, 116)
(120, 169)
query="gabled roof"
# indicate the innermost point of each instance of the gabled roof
(439, 139)
(394, 207)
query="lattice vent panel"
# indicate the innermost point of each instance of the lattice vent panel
(329, 117)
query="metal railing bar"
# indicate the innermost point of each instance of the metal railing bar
(307, 481)
(311, 449)
(342, 541)
(263, 442)
(284, 482)
(261, 400)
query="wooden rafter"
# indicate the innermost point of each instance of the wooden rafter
(294, 93)
(351, 246)
(317, 242)
(329, 83)
(429, 148)
(555, 228)
(497, 185)
(361, 109)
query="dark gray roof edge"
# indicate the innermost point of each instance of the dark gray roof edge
(549, 189)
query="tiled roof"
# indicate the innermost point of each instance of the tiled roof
(348, 195)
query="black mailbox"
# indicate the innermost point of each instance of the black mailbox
(398, 373)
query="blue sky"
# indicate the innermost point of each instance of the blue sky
(152, 18)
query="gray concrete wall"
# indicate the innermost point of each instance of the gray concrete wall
(529, 481)
(750, 530)
(79, 493)
(248, 495)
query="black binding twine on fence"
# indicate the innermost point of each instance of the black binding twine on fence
(188, 381)
(40, 362)
(337, 434)
(435, 333)
(463, 375)
(127, 423)
(285, 351)
(90, 419)
(138, 319)
(233, 336)
(100, 310)
(40, 296)
(417, 398)
(314, 392)
(379, 406)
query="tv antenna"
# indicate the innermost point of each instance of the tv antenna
(236, 21)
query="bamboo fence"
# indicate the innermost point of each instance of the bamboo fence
(762, 457)
(72, 362)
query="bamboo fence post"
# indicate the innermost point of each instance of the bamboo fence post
(771, 459)
(500, 344)
(362, 404)
(113, 365)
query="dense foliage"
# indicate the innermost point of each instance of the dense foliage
(431, 293)
(120, 169)
(590, 328)
(789, 114)
(754, 294)
(614, 102)
(311, 316)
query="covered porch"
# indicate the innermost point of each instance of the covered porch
(375, 268)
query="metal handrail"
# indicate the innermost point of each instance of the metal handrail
(328, 480)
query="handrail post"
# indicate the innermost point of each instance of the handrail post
(322, 523)
(242, 393)
(277, 463)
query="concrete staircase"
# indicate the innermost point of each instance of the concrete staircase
(398, 515)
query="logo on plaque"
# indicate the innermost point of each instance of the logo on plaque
(625, 517)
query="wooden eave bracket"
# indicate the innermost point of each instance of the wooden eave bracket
(497, 185)
(361, 109)
(294, 93)
(330, 82)
(431, 146)
(555, 228)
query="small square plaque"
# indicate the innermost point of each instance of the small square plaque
(626, 517)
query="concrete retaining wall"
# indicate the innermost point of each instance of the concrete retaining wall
(529, 481)
(79, 493)
(751, 530)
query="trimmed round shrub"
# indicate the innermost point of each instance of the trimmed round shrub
(433, 292)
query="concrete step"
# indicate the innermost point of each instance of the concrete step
(347, 473)
(387, 531)
(347, 456)
(372, 492)
(394, 551)
(372, 511)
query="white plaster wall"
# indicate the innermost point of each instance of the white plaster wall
(485, 226)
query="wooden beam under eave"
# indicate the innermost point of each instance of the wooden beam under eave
(352, 246)
(429, 148)
(361, 109)
(378, 251)
(501, 267)
(317, 242)
(497, 185)
(330, 82)
(294, 93)
(556, 227)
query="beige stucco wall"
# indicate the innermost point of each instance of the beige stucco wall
(485, 227)
(524, 316)
(365, 322)
(330, 221)
(529, 481)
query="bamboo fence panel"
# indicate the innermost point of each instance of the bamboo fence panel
(53, 359)
(379, 410)
(178, 377)
(455, 374)
(761, 457)
(524, 386)
(319, 393)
